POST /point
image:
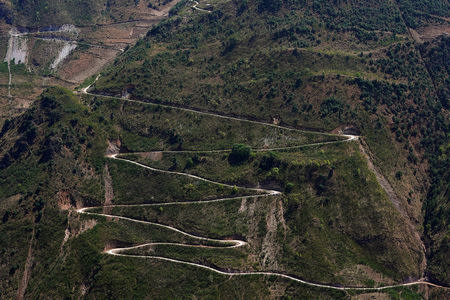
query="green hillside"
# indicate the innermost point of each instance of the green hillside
(311, 135)
(319, 183)
(311, 66)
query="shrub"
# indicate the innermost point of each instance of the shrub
(234, 191)
(289, 187)
(239, 154)
(272, 6)
(229, 45)
(189, 163)
(269, 161)
(331, 106)
(38, 204)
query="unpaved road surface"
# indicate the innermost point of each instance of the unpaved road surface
(258, 193)
(224, 243)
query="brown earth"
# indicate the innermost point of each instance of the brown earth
(98, 45)
(63, 199)
(155, 156)
(86, 64)
(430, 32)
(106, 41)
(27, 269)
(371, 296)
(109, 191)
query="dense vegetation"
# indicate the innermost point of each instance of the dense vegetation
(418, 13)
(315, 180)
(34, 168)
(436, 206)
(324, 66)
(287, 62)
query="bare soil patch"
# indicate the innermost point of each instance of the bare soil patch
(63, 199)
(430, 32)
(155, 156)
(85, 64)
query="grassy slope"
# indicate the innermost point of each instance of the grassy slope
(271, 73)
(298, 64)
(316, 210)
(44, 153)
(153, 127)
(77, 166)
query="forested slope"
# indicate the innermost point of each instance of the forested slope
(271, 87)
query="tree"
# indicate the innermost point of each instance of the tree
(189, 163)
(289, 187)
(239, 154)
(331, 106)
(269, 5)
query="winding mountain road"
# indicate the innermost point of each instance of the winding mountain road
(223, 243)
(226, 243)
(199, 9)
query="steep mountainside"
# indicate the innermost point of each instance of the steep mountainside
(241, 149)
(311, 66)
(59, 48)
